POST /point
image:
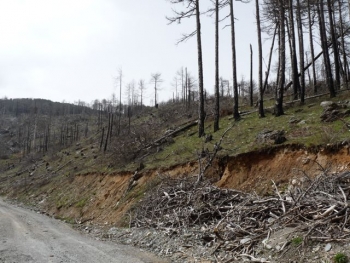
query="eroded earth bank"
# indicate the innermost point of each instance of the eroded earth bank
(99, 203)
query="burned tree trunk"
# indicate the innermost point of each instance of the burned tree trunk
(282, 61)
(217, 93)
(236, 114)
(301, 53)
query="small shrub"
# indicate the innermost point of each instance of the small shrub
(340, 258)
(329, 135)
(81, 203)
(297, 241)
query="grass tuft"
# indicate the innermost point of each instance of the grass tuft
(340, 258)
(297, 241)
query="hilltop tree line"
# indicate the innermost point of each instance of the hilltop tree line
(36, 127)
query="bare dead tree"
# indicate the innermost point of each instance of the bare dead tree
(180, 76)
(175, 84)
(261, 90)
(345, 61)
(301, 53)
(210, 157)
(191, 84)
(128, 92)
(251, 102)
(295, 78)
(217, 93)
(310, 24)
(282, 60)
(142, 88)
(323, 36)
(270, 58)
(236, 114)
(334, 43)
(192, 10)
(187, 92)
(120, 78)
(109, 130)
(156, 80)
(102, 136)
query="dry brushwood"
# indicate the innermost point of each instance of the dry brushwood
(230, 220)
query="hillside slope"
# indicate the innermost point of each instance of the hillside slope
(79, 182)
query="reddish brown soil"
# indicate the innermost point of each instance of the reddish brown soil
(255, 171)
(107, 200)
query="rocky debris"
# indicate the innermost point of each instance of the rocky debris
(328, 104)
(271, 137)
(328, 247)
(203, 223)
(330, 115)
(294, 120)
(334, 111)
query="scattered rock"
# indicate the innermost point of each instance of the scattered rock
(331, 114)
(316, 249)
(305, 161)
(274, 137)
(270, 220)
(328, 247)
(269, 247)
(245, 241)
(294, 120)
(328, 104)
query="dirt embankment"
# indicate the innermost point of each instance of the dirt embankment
(254, 171)
(105, 199)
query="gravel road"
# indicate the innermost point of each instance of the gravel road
(26, 236)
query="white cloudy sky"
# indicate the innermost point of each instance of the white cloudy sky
(72, 49)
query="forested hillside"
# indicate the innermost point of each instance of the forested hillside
(258, 171)
(80, 167)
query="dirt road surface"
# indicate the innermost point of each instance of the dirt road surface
(26, 236)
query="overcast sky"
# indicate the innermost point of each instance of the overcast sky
(72, 49)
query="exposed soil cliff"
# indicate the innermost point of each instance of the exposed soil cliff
(106, 198)
(255, 170)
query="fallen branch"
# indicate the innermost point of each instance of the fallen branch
(234, 222)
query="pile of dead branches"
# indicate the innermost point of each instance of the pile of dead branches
(236, 221)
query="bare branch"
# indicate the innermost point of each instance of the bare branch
(185, 37)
